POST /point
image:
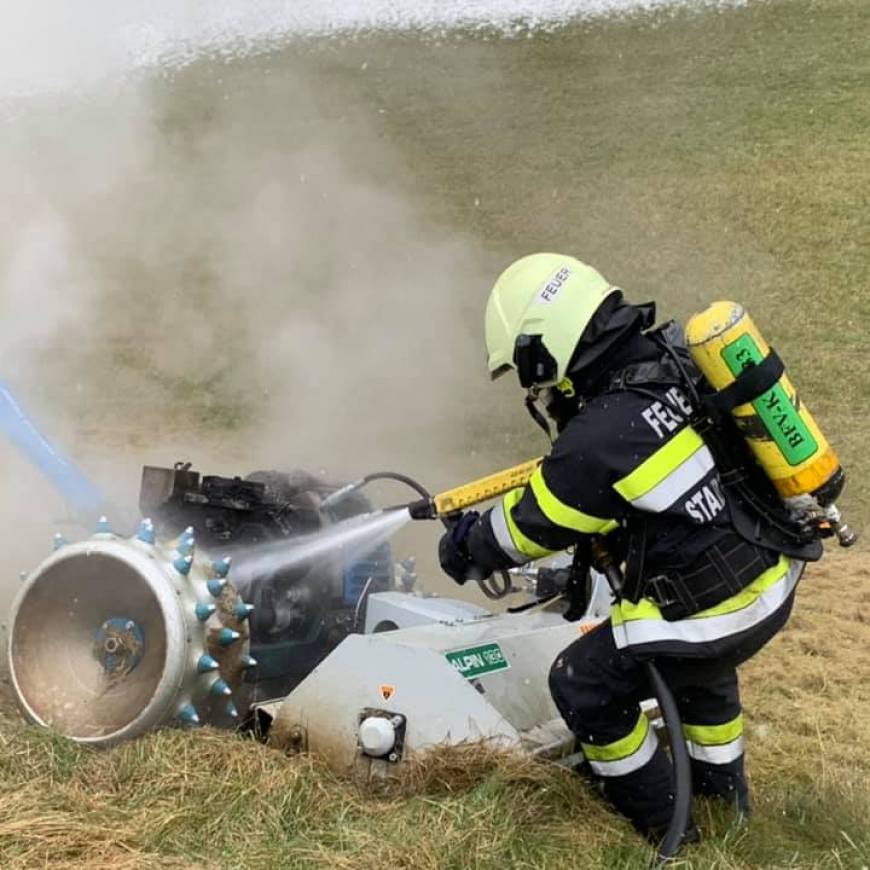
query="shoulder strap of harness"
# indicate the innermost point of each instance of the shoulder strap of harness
(756, 511)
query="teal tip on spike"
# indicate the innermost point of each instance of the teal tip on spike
(226, 637)
(59, 541)
(103, 527)
(248, 661)
(183, 564)
(145, 532)
(216, 586)
(242, 610)
(206, 664)
(188, 715)
(204, 610)
(221, 567)
(220, 688)
(232, 712)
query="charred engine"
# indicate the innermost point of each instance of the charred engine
(300, 613)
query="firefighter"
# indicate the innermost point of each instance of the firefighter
(709, 578)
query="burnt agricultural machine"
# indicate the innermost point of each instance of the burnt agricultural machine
(190, 621)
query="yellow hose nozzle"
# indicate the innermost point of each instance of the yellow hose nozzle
(477, 491)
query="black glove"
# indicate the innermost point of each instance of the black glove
(453, 548)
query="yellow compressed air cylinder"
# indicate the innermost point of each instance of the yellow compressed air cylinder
(782, 433)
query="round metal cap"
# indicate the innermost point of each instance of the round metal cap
(377, 736)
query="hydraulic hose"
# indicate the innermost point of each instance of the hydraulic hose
(673, 839)
(401, 478)
(340, 494)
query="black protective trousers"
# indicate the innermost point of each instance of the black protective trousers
(598, 689)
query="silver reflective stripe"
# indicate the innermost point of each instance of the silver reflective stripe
(678, 482)
(503, 536)
(710, 628)
(633, 762)
(722, 754)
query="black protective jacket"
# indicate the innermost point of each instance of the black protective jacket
(628, 464)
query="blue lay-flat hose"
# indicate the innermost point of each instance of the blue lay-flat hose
(66, 478)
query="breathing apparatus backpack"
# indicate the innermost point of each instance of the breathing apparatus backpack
(778, 471)
(755, 396)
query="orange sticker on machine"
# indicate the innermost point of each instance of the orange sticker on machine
(586, 627)
(386, 691)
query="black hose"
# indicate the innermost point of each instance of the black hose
(491, 587)
(401, 478)
(673, 838)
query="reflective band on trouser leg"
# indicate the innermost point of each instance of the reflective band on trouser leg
(724, 754)
(565, 516)
(715, 744)
(626, 755)
(669, 473)
(515, 544)
(642, 623)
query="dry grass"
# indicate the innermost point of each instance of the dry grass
(690, 156)
(210, 799)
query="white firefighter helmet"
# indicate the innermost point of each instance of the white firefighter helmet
(537, 312)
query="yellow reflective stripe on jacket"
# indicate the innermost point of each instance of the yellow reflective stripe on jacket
(523, 544)
(642, 624)
(621, 748)
(669, 474)
(561, 514)
(653, 470)
(714, 735)
(626, 611)
(748, 595)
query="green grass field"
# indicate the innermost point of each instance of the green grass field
(207, 799)
(690, 156)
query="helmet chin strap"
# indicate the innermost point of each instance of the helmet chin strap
(536, 415)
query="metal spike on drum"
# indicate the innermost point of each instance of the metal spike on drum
(216, 586)
(143, 624)
(186, 546)
(188, 715)
(220, 688)
(242, 611)
(204, 610)
(206, 664)
(227, 637)
(145, 532)
(221, 567)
